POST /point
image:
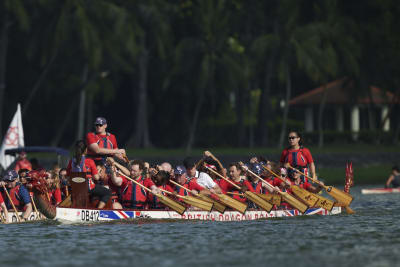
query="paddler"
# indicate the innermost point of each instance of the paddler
(203, 179)
(394, 178)
(161, 180)
(101, 143)
(3, 208)
(18, 193)
(191, 184)
(235, 174)
(295, 178)
(132, 195)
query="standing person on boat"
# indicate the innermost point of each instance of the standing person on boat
(296, 155)
(80, 163)
(394, 178)
(23, 162)
(18, 193)
(102, 143)
(203, 179)
(132, 195)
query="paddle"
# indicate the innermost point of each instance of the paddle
(274, 199)
(34, 207)
(301, 193)
(297, 204)
(342, 197)
(192, 201)
(12, 204)
(253, 197)
(217, 206)
(163, 199)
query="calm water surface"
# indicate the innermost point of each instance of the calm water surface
(369, 238)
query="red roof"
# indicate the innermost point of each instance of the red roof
(341, 92)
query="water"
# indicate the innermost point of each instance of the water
(371, 237)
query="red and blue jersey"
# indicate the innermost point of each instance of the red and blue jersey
(107, 140)
(154, 202)
(296, 157)
(19, 196)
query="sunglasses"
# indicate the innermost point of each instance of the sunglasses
(99, 125)
(292, 137)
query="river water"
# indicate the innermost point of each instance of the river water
(371, 237)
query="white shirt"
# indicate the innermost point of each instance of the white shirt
(205, 180)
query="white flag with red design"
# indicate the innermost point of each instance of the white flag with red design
(14, 138)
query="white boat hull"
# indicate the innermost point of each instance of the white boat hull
(95, 215)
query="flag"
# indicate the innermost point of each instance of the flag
(14, 138)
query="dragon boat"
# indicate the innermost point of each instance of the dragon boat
(78, 208)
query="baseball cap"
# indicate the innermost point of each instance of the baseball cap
(179, 170)
(100, 120)
(256, 168)
(10, 176)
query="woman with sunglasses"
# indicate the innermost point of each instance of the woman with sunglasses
(296, 155)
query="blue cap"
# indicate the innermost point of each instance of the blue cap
(10, 176)
(100, 120)
(257, 169)
(179, 170)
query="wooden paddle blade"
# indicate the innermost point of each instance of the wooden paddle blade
(66, 203)
(261, 203)
(304, 195)
(292, 201)
(233, 203)
(324, 203)
(349, 210)
(274, 199)
(341, 197)
(198, 203)
(179, 208)
(217, 206)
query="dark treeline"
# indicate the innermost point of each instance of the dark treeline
(183, 73)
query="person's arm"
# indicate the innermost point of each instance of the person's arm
(5, 211)
(389, 181)
(105, 151)
(119, 166)
(57, 195)
(116, 180)
(27, 211)
(93, 170)
(209, 154)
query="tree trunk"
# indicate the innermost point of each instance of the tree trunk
(286, 109)
(240, 116)
(3, 62)
(89, 113)
(320, 118)
(65, 119)
(251, 115)
(82, 102)
(141, 137)
(199, 104)
(37, 85)
(264, 105)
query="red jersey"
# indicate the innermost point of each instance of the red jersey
(87, 166)
(154, 202)
(1, 199)
(133, 195)
(226, 186)
(103, 141)
(296, 157)
(23, 164)
(191, 185)
(55, 196)
(256, 187)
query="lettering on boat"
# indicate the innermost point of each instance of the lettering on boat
(90, 215)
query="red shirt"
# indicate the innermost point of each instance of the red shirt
(191, 185)
(1, 199)
(296, 157)
(23, 164)
(89, 167)
(154, 201)
(133, 195)
(55, 195)
(104, 141)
